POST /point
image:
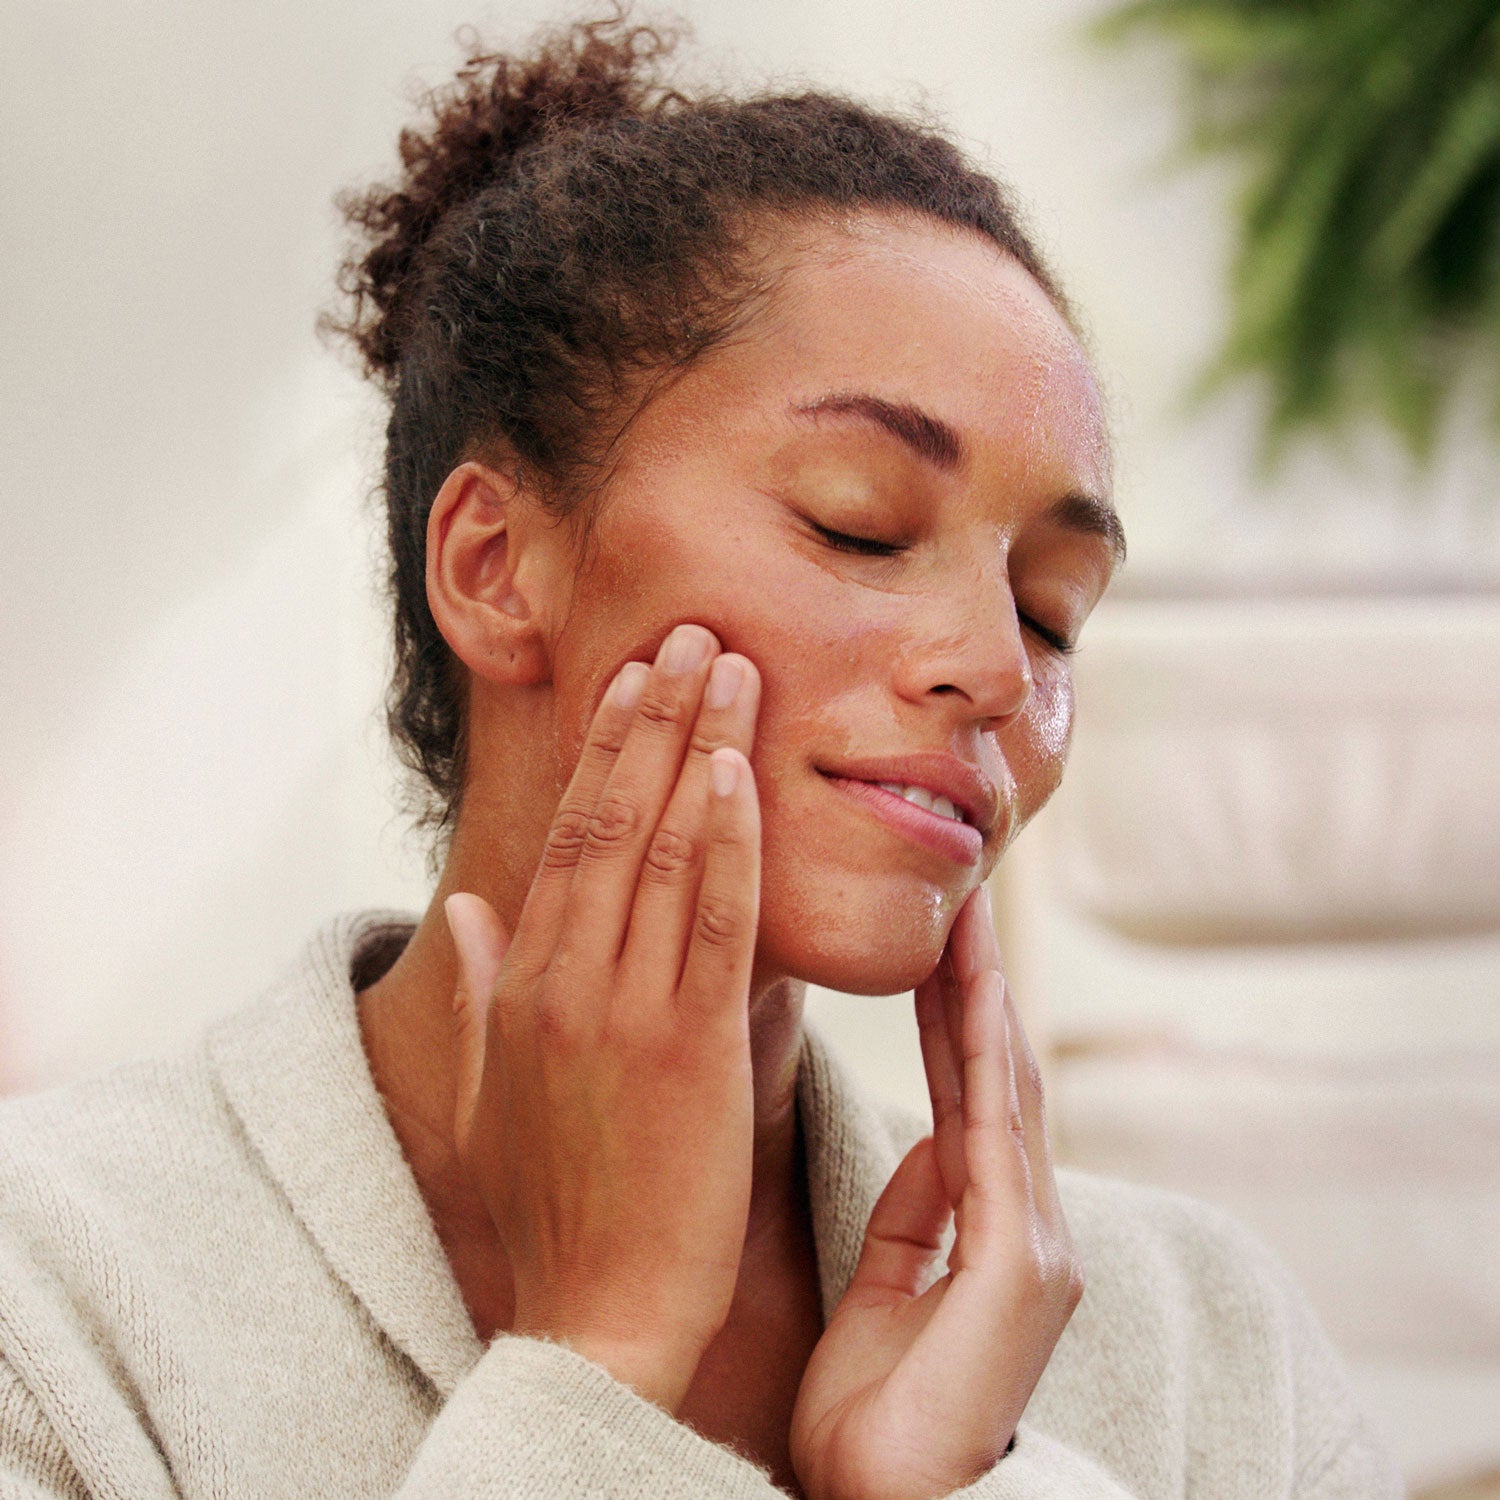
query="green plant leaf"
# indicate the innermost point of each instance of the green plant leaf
(1367, 267)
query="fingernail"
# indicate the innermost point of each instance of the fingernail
(630, 683)
(724, 682)
(723, 772)
(685, 649)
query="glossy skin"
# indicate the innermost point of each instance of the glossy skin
(609, 1146)
(711, 517)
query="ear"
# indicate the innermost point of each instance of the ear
(478, 579)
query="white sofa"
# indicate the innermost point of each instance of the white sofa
(1259, 930)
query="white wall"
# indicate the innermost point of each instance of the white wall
(191, 772)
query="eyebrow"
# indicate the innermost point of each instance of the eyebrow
(929, 437)
(1093, 517)
(934, 441)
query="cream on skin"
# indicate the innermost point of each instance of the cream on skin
(712, 515)
(888, 492)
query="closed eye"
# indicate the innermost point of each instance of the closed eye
(1059, 643)
(864, 546)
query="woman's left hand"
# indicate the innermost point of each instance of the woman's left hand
(913, 1394)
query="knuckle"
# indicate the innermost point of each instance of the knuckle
(671, 854)
(1055, 1271)
(704, 744)
(615, 1033)
(1034, 1079)
(611, 826)
(659, 712)
(1075, 1283)
(609, 740)
(678, 1056)
(733, 837)
(570, 829)
(496, 1019)
(553, 1019)
(717, 923)
(553, 1013)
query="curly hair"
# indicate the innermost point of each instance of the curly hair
(566, 226)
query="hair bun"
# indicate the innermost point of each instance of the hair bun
(497, 106)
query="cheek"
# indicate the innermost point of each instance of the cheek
(1036, 746)
(758, 597)
(638, 583)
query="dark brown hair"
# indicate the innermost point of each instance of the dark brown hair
(566, 226)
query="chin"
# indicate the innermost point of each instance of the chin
(880, 945)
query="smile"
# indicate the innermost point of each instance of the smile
(921, 797)
(923, 817)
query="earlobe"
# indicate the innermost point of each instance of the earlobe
(478, 579)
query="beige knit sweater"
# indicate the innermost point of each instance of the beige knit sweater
(217, 1278)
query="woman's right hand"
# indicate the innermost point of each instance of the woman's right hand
(604, 1106)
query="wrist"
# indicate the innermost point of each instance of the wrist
(654, 1372)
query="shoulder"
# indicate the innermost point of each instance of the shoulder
(109, 1183)
(150, 1166)
(150, 1140)
(111, 1135)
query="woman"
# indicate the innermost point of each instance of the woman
(748, 490)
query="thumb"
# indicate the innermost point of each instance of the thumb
(906, 1227)
(480, 942)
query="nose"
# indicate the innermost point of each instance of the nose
(964, 643)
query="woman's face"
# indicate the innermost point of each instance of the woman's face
(890, 494)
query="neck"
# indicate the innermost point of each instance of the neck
(406, 1018)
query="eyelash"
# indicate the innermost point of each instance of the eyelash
(864, 546)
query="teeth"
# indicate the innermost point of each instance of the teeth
(923, 798)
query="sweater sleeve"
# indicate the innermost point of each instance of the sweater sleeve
(535, 1421)
(1041, 1468)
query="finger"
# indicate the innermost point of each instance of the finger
(905, 1234)
(972, 943)
(959, 967)
(970, 951)
(662, 916)
(623, 821)
(541, 917)
(480, 942)
(715, 981)
(944, 1083)
(994, 1128)
(1031, 1107)
(955, 973)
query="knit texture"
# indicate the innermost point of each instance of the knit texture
(218, 1278)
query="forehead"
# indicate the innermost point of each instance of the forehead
(927, 313)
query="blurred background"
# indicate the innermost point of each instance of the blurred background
(1256, 936)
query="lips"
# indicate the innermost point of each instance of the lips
(907, 794)
(961, 782)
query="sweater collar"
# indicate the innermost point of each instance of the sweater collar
(294, 1071)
